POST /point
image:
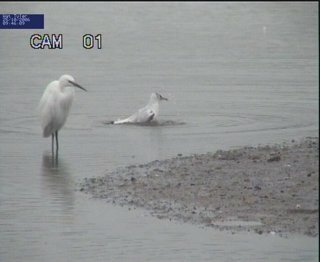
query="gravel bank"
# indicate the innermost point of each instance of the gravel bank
(265, 189)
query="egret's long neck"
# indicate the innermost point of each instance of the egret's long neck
(66, 89)
(62, 88)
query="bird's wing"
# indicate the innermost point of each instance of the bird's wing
(47, 94)
(145, 115)
(130, 119)
(47, 109)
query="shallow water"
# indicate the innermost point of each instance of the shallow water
(235, 74)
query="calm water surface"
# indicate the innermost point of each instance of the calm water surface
(235, 74)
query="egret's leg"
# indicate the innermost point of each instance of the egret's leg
(52, 147)
(57, 142)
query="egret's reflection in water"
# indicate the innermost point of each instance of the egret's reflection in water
(57, 182)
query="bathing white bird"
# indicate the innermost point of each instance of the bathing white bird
(55, 105)
(146, 114)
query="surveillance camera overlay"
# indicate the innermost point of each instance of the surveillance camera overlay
(159, 131)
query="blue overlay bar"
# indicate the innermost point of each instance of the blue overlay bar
(21, 21)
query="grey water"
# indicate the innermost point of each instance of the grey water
(235, 73)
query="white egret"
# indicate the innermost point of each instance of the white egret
(146, 114)
(55, 105)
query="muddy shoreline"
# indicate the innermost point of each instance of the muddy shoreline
(265, 189)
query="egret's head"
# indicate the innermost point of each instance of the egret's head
(158, 97)
(68, 80)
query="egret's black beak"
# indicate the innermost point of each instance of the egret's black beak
(75, 84)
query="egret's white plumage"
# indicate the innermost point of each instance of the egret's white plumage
(146, 114)
(55, 105)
